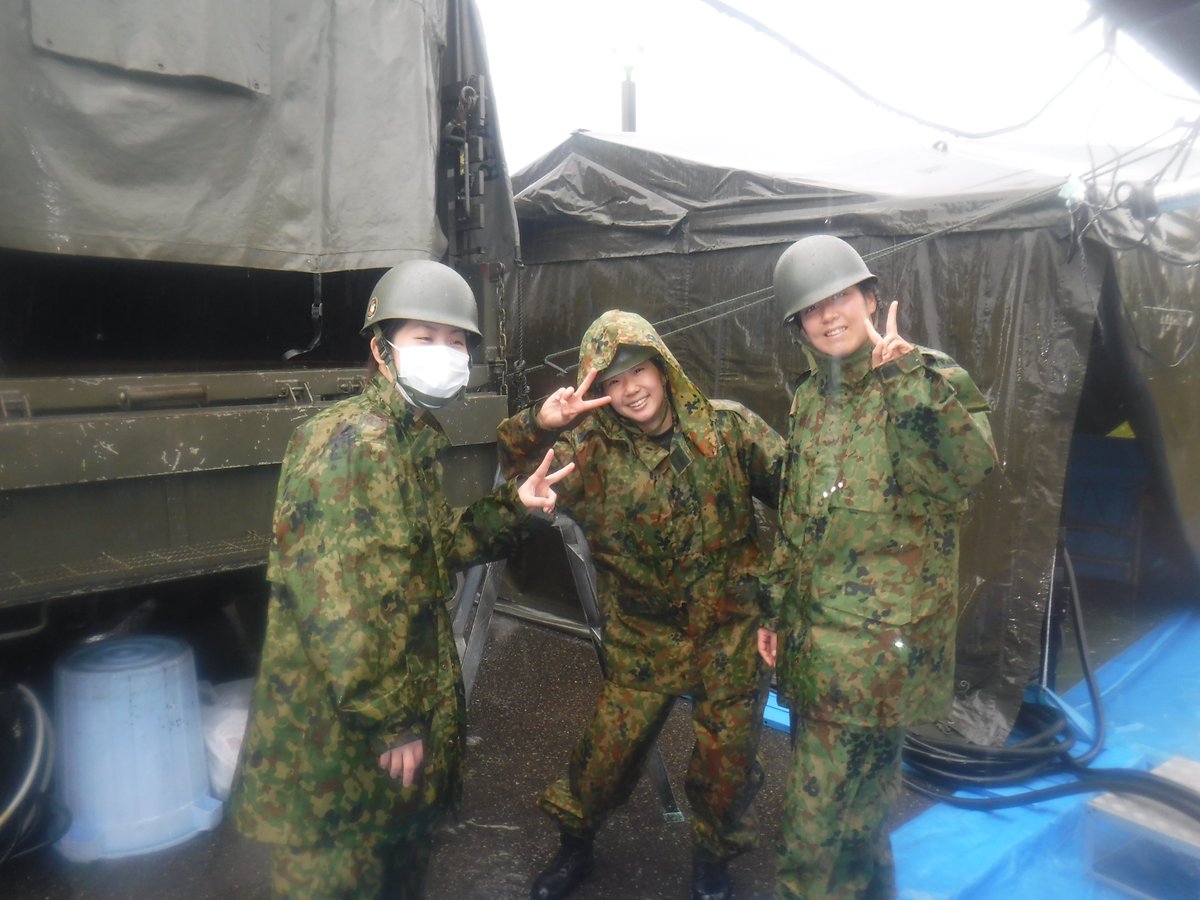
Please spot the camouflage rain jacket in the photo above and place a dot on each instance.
(359, 655)
(879, 466)
(671, 530)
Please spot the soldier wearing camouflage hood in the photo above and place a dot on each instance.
(664, 497)
(886, 441)
(355, 740)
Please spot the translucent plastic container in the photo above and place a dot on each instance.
(131, 760)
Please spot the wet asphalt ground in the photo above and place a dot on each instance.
(534, 693)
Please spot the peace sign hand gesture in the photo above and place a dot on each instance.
(535, 492)
(888, 346)
(567, 404)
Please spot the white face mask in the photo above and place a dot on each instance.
(432, 373)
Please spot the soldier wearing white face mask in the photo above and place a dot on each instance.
(425, 313)
(355, 743)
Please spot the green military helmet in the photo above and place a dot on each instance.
(814, 268)
(626, 357)
(427, 291)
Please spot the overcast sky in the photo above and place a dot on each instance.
(706, 79)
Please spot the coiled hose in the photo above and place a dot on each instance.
(29, 818)
(949, 766)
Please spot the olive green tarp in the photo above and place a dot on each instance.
(286, 135)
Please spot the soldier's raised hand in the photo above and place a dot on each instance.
(535, 490)
(567, 404)
(890, 345)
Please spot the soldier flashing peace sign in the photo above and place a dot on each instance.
(886, 441)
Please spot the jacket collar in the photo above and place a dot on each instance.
(835, 374)
(382, 393)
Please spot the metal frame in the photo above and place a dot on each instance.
(476, 601)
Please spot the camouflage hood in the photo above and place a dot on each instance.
(694, 415)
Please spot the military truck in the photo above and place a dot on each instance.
(195, 200)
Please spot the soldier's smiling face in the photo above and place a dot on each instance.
(836, 326)
(639, 395)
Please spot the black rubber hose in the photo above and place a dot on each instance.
(1121, 781)
(956, 765)
(30, 812)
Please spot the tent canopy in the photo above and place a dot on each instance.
(985, 258)
(664, 202)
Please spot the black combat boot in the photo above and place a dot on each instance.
(572, 864)
(710, 879)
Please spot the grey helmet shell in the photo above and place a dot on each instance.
(814, 268)
(427, 291)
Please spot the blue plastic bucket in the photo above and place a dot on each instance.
(131, 761)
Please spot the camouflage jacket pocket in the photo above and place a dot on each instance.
(870, 566)
(636, 586)
(650, 603)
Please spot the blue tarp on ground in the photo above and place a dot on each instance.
(1151, 696)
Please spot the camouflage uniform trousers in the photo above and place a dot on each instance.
(394, 871)
(723, 775)
(843, 783)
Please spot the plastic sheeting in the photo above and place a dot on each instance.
(1151, 702)
(1170, 31)
(1152, 316)
(287, 135)
(593, 180)
(985, 266)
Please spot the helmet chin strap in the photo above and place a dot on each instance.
(424, 400)
(389, 360)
